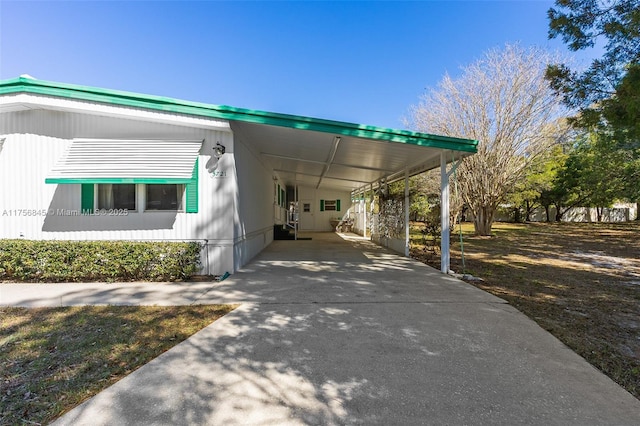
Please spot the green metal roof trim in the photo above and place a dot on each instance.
(129, 99)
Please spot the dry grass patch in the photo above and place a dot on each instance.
(52, 359)
(579, 281)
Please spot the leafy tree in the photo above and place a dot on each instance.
(622, 112)
(425, 196)
(591, 177)
(621, 131)
(504, 102)
(536, 187)
(608, 92)
(523, 199)
(424, 190)
(581, 24)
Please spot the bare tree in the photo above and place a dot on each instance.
(504, 102)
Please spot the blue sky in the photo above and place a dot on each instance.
(362, 62)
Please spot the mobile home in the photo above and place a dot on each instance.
(84, 163)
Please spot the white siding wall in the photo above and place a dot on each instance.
(29, 208)
(360, 210)
(254, 222)
(322, 219)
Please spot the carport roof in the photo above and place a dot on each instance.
(301, 150)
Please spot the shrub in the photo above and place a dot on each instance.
(58, 261)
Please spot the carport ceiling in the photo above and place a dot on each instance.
(342, 159)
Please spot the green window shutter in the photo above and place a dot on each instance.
(86, 198)
(321, 205)
(279, 197)
(283, 198)
(191, 192)
(338, 205)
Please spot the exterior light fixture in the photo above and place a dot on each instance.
(212, 164)
(219, 150)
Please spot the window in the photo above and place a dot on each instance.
(117, 196)
(140, 197)
(330, 205)
(164, 197)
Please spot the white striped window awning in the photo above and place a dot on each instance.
(126, 161)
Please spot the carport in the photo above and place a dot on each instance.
(227, 197)
(353, 157)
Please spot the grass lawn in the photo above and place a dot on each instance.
(52, 359)
(579, 281)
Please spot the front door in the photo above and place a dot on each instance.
(307, 222)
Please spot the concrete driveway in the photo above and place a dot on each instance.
(338, 331)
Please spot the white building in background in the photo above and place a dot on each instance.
(83, 163)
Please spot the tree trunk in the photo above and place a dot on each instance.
(483, 220)
(528, 214)
(546, 211)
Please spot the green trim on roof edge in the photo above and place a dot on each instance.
(158, 103)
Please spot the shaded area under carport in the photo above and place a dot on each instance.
(340, 331)
(340, 268)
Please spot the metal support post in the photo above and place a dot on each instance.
(445, 255)
(406, 213)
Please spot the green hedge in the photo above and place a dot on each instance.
(67, 261)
